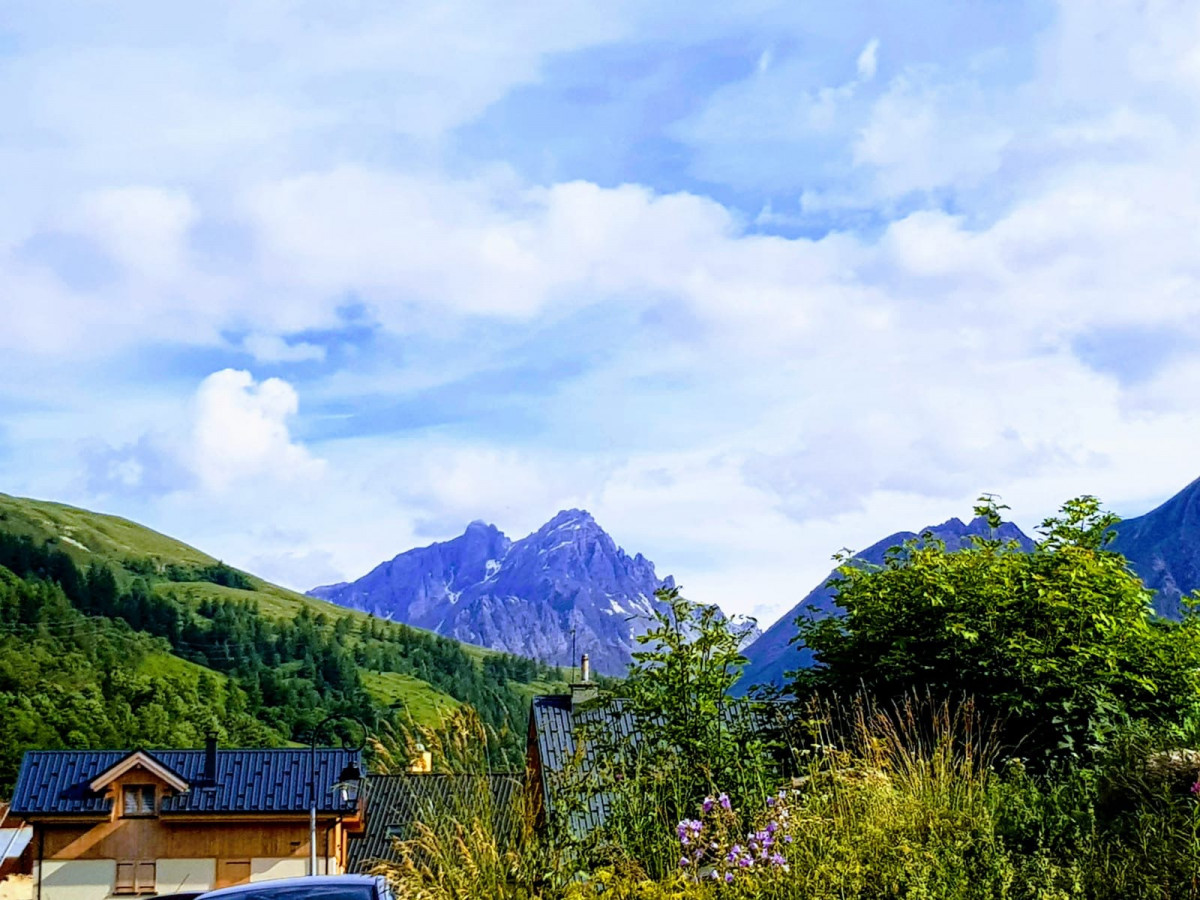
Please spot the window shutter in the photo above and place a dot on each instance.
(130, 801)
(146, 878)
(125, 877)
(147, 800)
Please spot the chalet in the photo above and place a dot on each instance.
(396, 803)
(118, 823)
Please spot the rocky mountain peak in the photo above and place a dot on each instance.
(566, 584)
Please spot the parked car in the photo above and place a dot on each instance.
(312, 887)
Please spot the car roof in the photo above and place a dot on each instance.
(311, 880)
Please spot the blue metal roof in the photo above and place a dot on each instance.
(395, 803)
(55, 782)
(570, 743)
(562, 747)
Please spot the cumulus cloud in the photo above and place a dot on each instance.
(240, 432)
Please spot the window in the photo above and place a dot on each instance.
(138, 800)
(136, 876)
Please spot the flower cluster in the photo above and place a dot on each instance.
(709, 848)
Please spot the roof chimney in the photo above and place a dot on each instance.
(210, 758)
(422, 761)
(583, 690)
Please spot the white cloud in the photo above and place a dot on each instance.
(143, 228)
(240, 432)
(868, 60)
(743, 405)
(921, 136)
(273, 348)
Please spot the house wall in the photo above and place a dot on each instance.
(87, 879)
(80, 861)
(175, 875)
(534, 787)
(159, 839)
(17, 887)
(263, 868)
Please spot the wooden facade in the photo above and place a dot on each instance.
(138, 837)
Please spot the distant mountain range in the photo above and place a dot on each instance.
(773, 654)
(1163, 548)
(566, 589)
(568, 585)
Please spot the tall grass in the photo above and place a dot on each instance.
(909, 801)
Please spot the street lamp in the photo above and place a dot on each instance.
(350, 777)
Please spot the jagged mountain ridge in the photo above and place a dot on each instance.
(522, 596)
(773, 654)
(1163, 547)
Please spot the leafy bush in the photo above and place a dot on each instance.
(1057, 645)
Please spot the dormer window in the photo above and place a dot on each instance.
(137, 800)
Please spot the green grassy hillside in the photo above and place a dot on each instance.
(285, 658)
(133, 550)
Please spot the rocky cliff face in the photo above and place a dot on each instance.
(1163, 547)
(524, 596)
(773, 654)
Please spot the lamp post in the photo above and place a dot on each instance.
(349, 775)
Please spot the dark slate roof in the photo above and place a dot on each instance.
(394, 803)
(55, 782)
(556, 729)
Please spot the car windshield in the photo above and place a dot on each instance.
(309, 892)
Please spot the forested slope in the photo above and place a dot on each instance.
(114, 635)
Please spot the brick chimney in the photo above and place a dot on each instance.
(584, 689)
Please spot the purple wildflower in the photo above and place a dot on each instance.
(723, 799)
(777, 859)
(715, 875)
(708, 804)
(787, 838)
(729, 878)
(1196, 787)
(684, 862)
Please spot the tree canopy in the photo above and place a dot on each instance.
(1058, 646)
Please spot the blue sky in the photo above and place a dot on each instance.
(308, 284)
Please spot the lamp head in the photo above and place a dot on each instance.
(348, 782)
